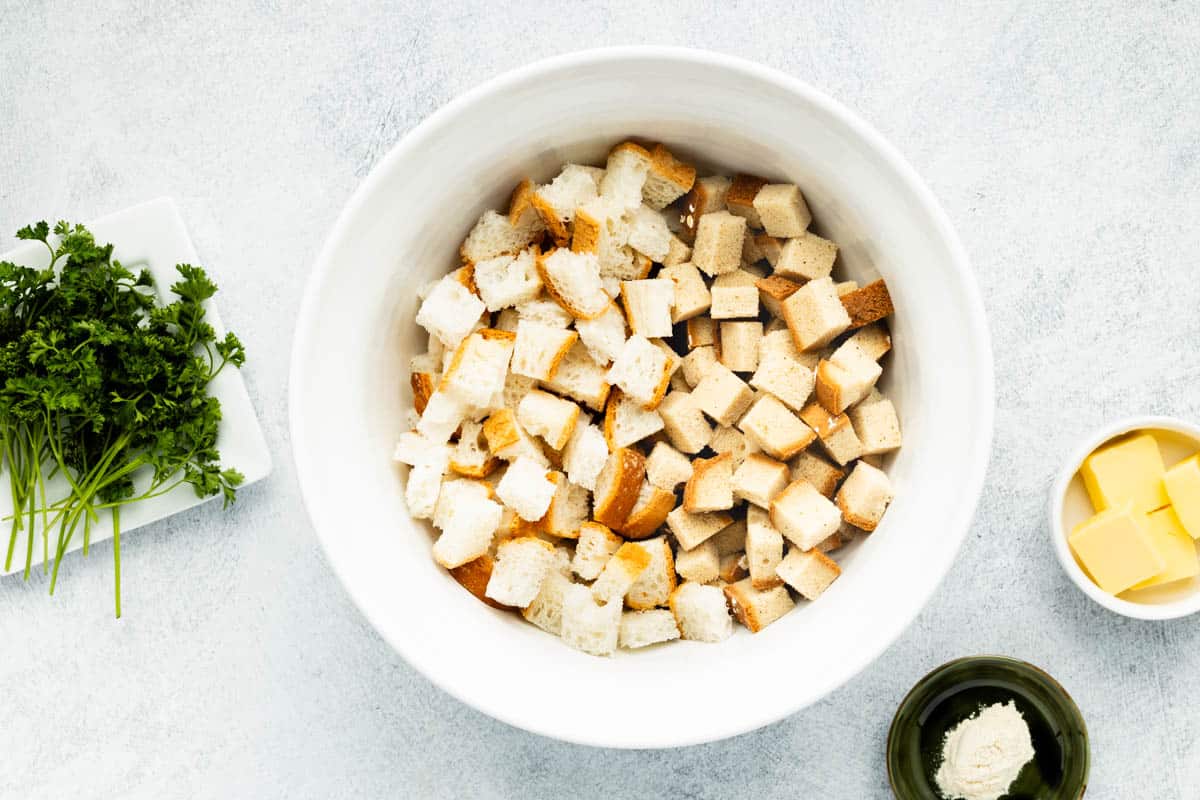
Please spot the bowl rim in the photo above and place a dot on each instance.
(416, 138)
(1058, 493)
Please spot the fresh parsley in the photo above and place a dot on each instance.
(105, 386)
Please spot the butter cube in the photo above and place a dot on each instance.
(1182, 482)
(1130, 471)
(1174, 545)
(1115, 548)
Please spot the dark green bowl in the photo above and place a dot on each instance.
(955, 691)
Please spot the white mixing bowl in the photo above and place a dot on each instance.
(403, 227)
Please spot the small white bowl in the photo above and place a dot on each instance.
(1069, 505)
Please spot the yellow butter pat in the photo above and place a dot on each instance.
(1175, 546)
(1115, 548)
(1182, 482)
(1130, 471)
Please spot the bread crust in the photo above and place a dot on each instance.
(422, 389)
(558, 297)
(694, 487)
(869, 304)
(742, 192)
(520, 201)
(474, 576)
(613, 509)
(554, 226)
(666, 166)
(644, 522)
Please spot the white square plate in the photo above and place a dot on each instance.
(150, 236)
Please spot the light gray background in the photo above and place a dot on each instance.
(1064, 143)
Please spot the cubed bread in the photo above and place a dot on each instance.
(412, 448)
(585, 454)
(804, 515)
(759, 478)
(864, 496)
(556, 202)
(442, 416)
(684, 422)
(817, 471)
(578, 376)
(722, 395)
(620, 572)
(731, 538)
(846, 377)
(711, 486)
(471, 457)
(476, 372)
(569, 509)
(707, 196)
(740, 198)
(508, 280)
(649, 512)
(782, 210)
(732, 441)
(785, 378)
(474, 576)
(545, 312)
(618, 485)
(690, 296)
(626, 422)
(603, 336)
(874, 340)
(692, 529)
(450, 311)
(701, 612)
(764, 548)
(718, 247)
(644, 628)
(573, 280)
(666, 467)
(526, 488)
(668, 178)
(601, 231)
(506, 438)
(625, 175)
(739, 345)
(697, 363)
(806, 258)
(769, 246)
(595, 546)
(814, 314)
(548, 416)
(702, 331)
(643, 371)
(678, 252)
(868, 304)
(587, 625)
(521, 566)
(653, 587)
(775, 429)
(835, 432)
(648, 232)
(496, 234)
(757, 608)
(777, 341)
(773, 290)
(734, 299)
(733, 568)
(701, 564)
(648, 305)
(809, 572)
(875, 423)
(546, 608)
(540, 349)
(424, 486)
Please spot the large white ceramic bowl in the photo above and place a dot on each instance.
(403, 227)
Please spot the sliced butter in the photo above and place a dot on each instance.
(1116, 550)
(1182, 482)
(1128, 472)
(1175, 546)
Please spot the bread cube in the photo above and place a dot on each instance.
(626, 422)
(782, 210)
(594, 548)
(684, 422)
(506, 438)
(772, 291)
(731, 538)
(810, 572)
(740, 198)
(588, 626)
(764, 548)
(814, 314)
(424, 486)
(722, 395)
(422, 385)
(785, 378)
(546, 608)
(556, 202)
(478, 367)
(643, 628)
(697, 363)
(668, 178)
(539, 349)
(442, 416)
(521, 566)
(775, 429)
(496, 234)
(734, 302)
(718, 247)
(666, 467)
(648, 306)
(649, 512)
(869, 304)
(653, 587)
(581, 378)
(817, 471)
(526, 488)
(620, 572)
(648, 233)
(759, 478)
(474, 576)
(847, 377)
(678, 252)
(778, 342)
(864, 496)
(549, 416)
(769, 246)
(625, 175)
(700, 564)
(873, 340)
(701, 331)
(585, 454)
(806, 258)
(732, 441)
(692, 529)
(617, 486)
(570, 508)
(450, 311)
(733, 568)
(544, 312)
(508, 280)
(876, 424)
(757, 608)
(711, 486)
(835, 432)
(804, 515)
(573, 280)
(707, 196)
(603, 336)
(643, 371)
(471, 457)
(701, 612)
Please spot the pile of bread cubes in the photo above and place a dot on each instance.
(641, 387)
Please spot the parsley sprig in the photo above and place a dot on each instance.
(103, 385)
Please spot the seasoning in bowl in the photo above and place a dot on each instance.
(984, 754)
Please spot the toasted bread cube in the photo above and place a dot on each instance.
(644, 628)
(732, 441)
(814, 314)
(546, 608)
(806, 258)
(540, 349)
(757, 608)
(601, 230)
(722, 395)
(785, 378)
(697, 363)
(556, 202)
(740, 198)
(678, 252)
(441, 418)
(835, 432)
(585, 454)
(496, 234)
(782, 210)
(643, 371)
(769, 246)
(701, 612)
(588, 626)
(412, 448)
(595, 546)
(692, 529)
(479, 366)
(711, 486)
(648, 306)
(450, 311)
(701, 564)
(648, 232)
(684, 422)
(508, 280)
(764, 548)
(603, 336)
(667, 180)
(527, 489)
(846, 378)
(521, 566)
(653, 587)
(626, 422)
(618, 486)
(810, 573)
(649, 512)
(666, 467)
(876, 424)
(424, 486)
(468, 520)
(569, 509)
(580, 378)
(573, 280)
(544, 312)
(679, 383)
(718, 247)
(691, 296)
(775, 429)
(549, 416)
(751, 250)
(620, 572)
(733, 568)
(707, 196)
(731, 538)
(868, 304)
(734, 302)
(874, 340)
(506, 438)
(474, 576)
(864, 496)
(758, 479)
(817, 471)
(804, 515)
(625, 175)
(772, 291)
(470, 457)
(778, 343)
(701, 332)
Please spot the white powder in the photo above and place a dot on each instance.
(983, 754)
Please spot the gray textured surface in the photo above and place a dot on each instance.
(1063, 143)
